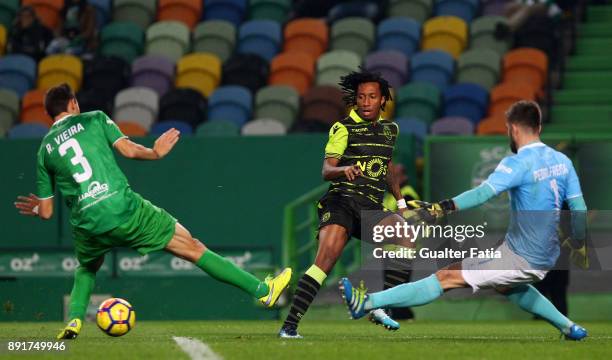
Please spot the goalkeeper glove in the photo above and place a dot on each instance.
(434, 212)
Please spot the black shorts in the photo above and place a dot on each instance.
(351, 214)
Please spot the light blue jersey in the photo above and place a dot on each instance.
(538, 179)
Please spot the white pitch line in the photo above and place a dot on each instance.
(196, 349)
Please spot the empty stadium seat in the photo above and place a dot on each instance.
(294, 69)
(418, 100)
(526, 65)
(48, 11)
(154, 72)
(399, 33)
(452, 125)
(353, 34)
(91, 99)
(260, 37)
(188, 12)
(433, 66)
(506, 94)
(494, 7)
(140, 12)
(466, 100)
(278, 102)
(215, 36)
(137, 104)
(228, 10)
(275, 10)
(163, 126)
(8, 9)
(306, 35)
(391, 64)
(103, 11)
(415, 127)
(218, 128)
(334, 64)
(323, 104)
(464, 9)
(495, 125)
(3, 39)
(122, 39)
(362, 8)
(447, 33)
(248, 70)
(264, 127)
(168, 38)
(17, 73)
(482, 34)
(130, 128)
(9, 109)
(33, 108)
(231, 103)
(479, 66)
(420, 10)
(199, 71)
(389, 110)
(28, 131)
(184, 104)
(108, 75)
(57, 69)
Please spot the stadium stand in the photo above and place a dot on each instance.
(294, 69)
(447, 33)
(163, 126)
(248, 70)
(433, 66)
(323, 104)
(8, 9)
(122, 39)
(275, 10)
(154, 72)
(264, 127)
(33, 108)
(17, 73)
(479, 66)
(278, 102)
(186, 104)
(188, 12)
(9, 110)
(218, 128)
(391, 64)
(399, 33)
(419, 10)
(199, 71)
(482, 34)
(48, 11)
(231, 103)
(334, 64)
(452, 125)
(353, 34)
(229, 10)
(418, 100)
(260, 37)
(306, 35)
(466, 100)
(28, 131)
(168, 38)
(137, 104)
(215, 36)
(139, 12)
(57, 69)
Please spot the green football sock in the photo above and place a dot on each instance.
(224, 270)
(84, 281)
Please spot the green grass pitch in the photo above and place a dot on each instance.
(326, 340)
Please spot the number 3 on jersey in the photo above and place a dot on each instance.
(77, 159)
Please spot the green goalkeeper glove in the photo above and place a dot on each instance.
(434, 212)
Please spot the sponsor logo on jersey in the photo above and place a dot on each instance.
(94, 190)
(388, 133)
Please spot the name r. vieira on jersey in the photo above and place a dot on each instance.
(65, 135)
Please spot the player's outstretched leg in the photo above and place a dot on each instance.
(84, 281)
(531, 300)
(268, 291)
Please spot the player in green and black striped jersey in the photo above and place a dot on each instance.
(357, 163)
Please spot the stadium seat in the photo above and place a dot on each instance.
(260, 37)
(48, 11)
(185, 104)
(447, 33)
(57, 69)
(464, 9)
(294, 69)
(391, 64)
(140, 12)
(418, 100)
(122, 39)
(232, 103)
(264, 127)
(108, 75)
(9, 109)
(90, 100)
(399, 33)
(466, 100)
(362, 8)
(482, 34)
(8, 9)
(540, 32)
(389, 111)
(168, 38)
(228, 10)
(3, 39)
(433, 66)
(103, 11)
(415, 127)
(323, 104)
(278, 102)
(353, 34)
(494, 7)
(419, 10)
(28, 131)
(526, 65)
(452, 125)
(137, 104)
(306, 35)
(33, 108)
(17, 73)
(188, 12)
(275, 10)
(199, 71)
(506, 94)
(248, 70)
(163, 126)
(218, 128)
(215, 36)
(479, 66)
(495, 125)
(131, 129)
(154, 72)
(334, 64)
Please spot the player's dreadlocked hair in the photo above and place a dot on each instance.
(350, 83)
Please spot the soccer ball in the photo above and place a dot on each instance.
(115, 317)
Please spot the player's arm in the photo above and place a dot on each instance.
(394, 186)
(161, 148)
(33, 206)
(338, 139)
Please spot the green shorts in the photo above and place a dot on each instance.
(148, 229)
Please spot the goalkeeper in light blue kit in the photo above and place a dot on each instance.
(538, 178)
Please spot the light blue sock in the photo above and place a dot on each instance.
(530, 299)
(415, 293)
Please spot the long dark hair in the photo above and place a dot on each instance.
(350, 84)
